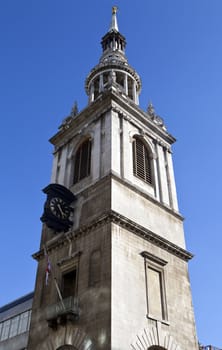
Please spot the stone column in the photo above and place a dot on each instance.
(155, 175)
(91, 95)
(126, 84)
(162, 175)
(101, 85)
(134, 92)
(172, 184)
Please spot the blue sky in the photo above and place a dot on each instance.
(47, 49)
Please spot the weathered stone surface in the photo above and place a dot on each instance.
(117, 216)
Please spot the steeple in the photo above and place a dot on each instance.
(114, 25)
(113, 71)
(119, 276)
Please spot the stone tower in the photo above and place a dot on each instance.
(117, 275)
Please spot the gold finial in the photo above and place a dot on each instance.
(114, 25)
(114, 10)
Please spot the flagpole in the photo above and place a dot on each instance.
(48, 272)
(48, 266)
(59, 293)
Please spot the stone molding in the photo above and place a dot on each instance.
(150, 236)
(67, 336)
(155, 337)
(111, 217)
(133, 187)
(154, 258)
(106, 101)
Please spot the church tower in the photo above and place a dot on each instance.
(112, 265)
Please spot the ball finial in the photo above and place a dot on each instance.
(114, 10)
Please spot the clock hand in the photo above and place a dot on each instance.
(60, 209)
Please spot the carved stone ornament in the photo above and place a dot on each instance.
(74, 112)
(158, 120)
(151, 110)
(155, 118)
(65, 123)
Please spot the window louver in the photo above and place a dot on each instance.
(141, 161)
(82, 161)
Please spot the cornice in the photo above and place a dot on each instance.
(106, 101)
(132, 187)
(151, 236)
(80, 122)
(65, 238)
(135, 115)
(111, 217)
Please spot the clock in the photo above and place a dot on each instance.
(57, 209)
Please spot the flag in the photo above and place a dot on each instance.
(48, 267)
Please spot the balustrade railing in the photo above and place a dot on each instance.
(60, 312)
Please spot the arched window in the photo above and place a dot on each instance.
(82, 161)
(142, 166)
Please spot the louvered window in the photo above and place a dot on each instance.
(82, 161)
(142, 166)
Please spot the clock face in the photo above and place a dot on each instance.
(59, 208)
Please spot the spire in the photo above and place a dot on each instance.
(113, 43)
(113, 71)
(114, 24)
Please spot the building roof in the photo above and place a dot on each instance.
(17, 302)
